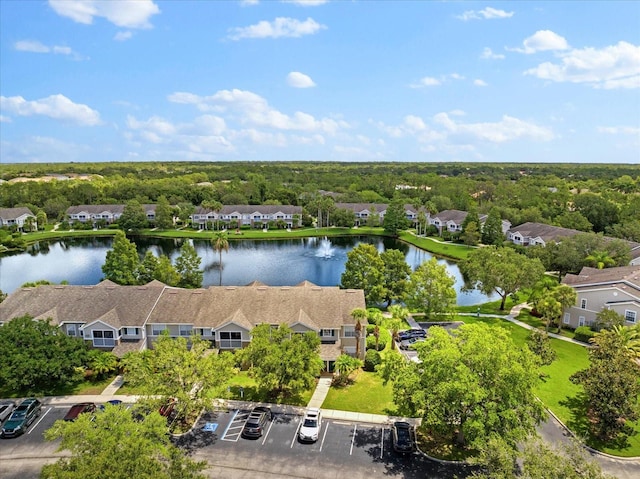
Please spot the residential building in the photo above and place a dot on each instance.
(256, 216)
(15, 217)
(130, 318)
(613, 288)
(107, 213)
(363, 211)
(451, 221)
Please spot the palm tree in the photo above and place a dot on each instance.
(600, 259)
(358, 314)
(629, 334)
(376, 334)
(220, 243)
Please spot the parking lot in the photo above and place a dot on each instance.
(343, 449)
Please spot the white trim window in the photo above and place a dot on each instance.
(158, 329)
(583, 303)
(130, 331)
(567, 318)
(72, 330)
(230, 339)
(327, 333)
(581, 321)
(349, 331)
(103, 338)
(185, 330)
(630, 316)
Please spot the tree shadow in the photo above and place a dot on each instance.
(197, 437)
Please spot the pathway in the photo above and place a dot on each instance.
(111, 389)
(320, 394)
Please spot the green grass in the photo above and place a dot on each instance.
(365, 394)
(492, 307)
(77, 388)
(436, 246)
(251, 392)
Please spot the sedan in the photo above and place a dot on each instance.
(6, 408)
(21, 418)
(310, 426)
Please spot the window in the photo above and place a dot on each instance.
(156, 329)
(567, 318)
(185, 330)
(71, 330)
(230, 339)
(130, 331)
(630, 316)
(103, 339)
(327, 333)
(349, 332)
(581, 321)
(583, 304)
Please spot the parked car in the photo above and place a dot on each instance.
(310, 426)
(407, 343)
(21, 418)
(412, 333)
(6, 408)
(168, 408)
(403, 437)
(256, 422)
(77, 409)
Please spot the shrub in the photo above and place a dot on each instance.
(383, 340)
(583, 333)
(371, 360)
(374, 316)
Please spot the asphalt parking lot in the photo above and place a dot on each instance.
(343, 449)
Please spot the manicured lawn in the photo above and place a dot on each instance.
(78, 388)
(251, 392)
(492, 307)
(436, 246)
(366, 394)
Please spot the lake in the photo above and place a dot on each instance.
(275, 263)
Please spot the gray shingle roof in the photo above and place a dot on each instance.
(541, 230)
(588, 276)
(7, 214)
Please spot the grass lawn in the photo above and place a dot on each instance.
(251, 392)
(77, 388)
(366, 394)
(492, 307)
(436, 246)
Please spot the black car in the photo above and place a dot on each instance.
(403, 437)
(21, 418)
(412, 333)
(256, 422)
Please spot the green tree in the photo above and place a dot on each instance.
(360, 315)
(165, 272)
(38, 357)
(181, 368)
(147, 268)
(164, 213)
(607, 319)
(133, 217)
(492, 229)
(573, 220)
(600, 259)
(3, 296)
(472, 217)
(431, 290)
(41, 218)
(188, 267)
(345, 365)
(500, 270)
(629, 338)
(600, 212)
(364, 270)
(122, 262)
(30, 224)
(185, 210)
(113, 444)
(220, 243)
(539, 343)
(395, 275)
(472, 384)
(395, 218)
(470, 235)
(101, 363)
(283, 363)
(611, 387)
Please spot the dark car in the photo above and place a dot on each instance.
(412, 333)
(256, 422)
(168, 409)
(21, 418)
(403, 437)
(6, 408)
(77, 409)
(407, 343)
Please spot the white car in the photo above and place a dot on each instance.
(6, 408)
(311, 424)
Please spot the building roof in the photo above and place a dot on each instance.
(627, 275)
(543, 231)
(14, 213)
(99, 209)
(358, 207)
(134, 306)
(250, 209)
(457, 216)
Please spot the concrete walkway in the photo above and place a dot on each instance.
(111, 389)
(320, 394)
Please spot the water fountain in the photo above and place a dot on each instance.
(325, 250)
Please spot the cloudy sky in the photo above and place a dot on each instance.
(316, 80)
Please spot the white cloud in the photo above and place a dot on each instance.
(299, 80)
(426, 81)
(542, 40)
(43, 149)
(509, 128)
(249, 3)
(5, 119)
(123, 36)
(487, 54)
(35, 46)
(620, 130)
(306, 3)
(479, 82)
(616, 66)
(249, 108)
(123, 13)
(281, 27)
(58, 107)
(485, 14)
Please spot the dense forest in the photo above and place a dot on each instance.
(588, 197)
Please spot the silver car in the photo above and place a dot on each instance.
(6, 408)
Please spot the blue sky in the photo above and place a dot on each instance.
(98, 80)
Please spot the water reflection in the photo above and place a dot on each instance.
(276, 263)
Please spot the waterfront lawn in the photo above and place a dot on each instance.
(365, 394)
(492, 307)
(437, 246)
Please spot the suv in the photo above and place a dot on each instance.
(78, 409)
(412, 333)
(256, 422)
(403, 437)
(311, 424)
(21, 418)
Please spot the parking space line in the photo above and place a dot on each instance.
(224, 434)
(295, 434)
(323, 436)
(353, 439)
(36, 424)
(265, 436)
(381, 442)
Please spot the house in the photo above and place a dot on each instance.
(451, 221)
(256, 216)
(614, 288)
(15, 217)
(363, 211)
(130, 318)
(107, 213)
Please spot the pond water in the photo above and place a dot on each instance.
(275, 263)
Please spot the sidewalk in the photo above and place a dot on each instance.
(320, 393)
